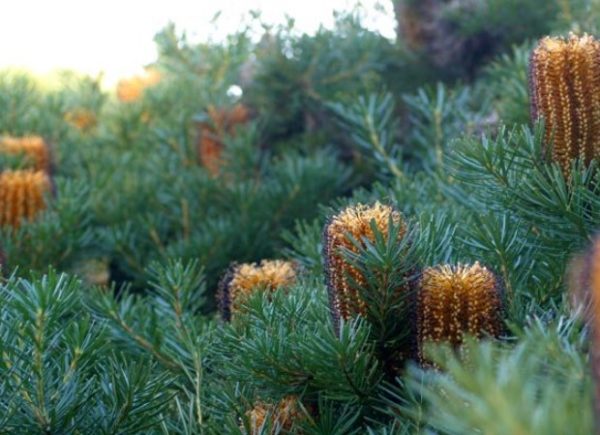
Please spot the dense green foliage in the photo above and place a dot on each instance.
(107, 299)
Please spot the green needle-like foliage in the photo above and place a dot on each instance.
(58, 373)
(531, 388)
(371, 124)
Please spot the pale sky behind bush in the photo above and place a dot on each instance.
(116, 36)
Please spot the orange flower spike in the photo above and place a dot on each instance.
(129, 90)
(243, 280)
(456, 300)
(34, 148)
(210, 150)
(564, 87)
(222, 122)
(344, 297)
(132, 89)
(22, 195)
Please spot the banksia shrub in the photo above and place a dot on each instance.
(456, 300)
(565, 93)
(34, 149)
(211, 132)
(22, 195)
(243, 280)
(353, 224)
(277, 418)
(132, 89)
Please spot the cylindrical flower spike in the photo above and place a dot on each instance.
(342, 278)
(22, 195)
(278, 418)
(456, 300)
(243, 280)
(210, 140)
(564, 87)
(34, 149)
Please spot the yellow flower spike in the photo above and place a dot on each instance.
(22, 195)
(34, 148)
(564, 87)
(342, 278)
(243, 280)
(456, 300)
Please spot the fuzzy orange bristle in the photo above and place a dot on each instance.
(565, 92)
(34, 148)
(243, 280)
(281, 416)
(22, 195)
(210, 140)
(456, 300)
(342, 278)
